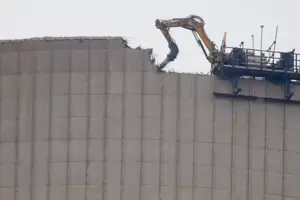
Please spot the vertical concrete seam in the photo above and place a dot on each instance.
(265, 148)
(17, 125)
(232, 160)
(161, 163)
(142, 130)
(249, 147)
(1, 96)
(69, 115)
(33, 123)
(213, 143)
(50, 123)
(88, 119)
(194, 136)
(283, 152)
(177, 175)
(124, 61)
(104, 195)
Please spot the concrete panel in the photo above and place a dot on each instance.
(43, 61)
(169, 174)
(80, 60)
(60, 83)
(153, 83)
(79, 83)
(95, 173)
(151, 173)
(7, 173)
(77, 173)
(97, 83)
(134, 60)
(79, 106)
(9, 63)
(58, 173)
(96, 150)
(256, 185)
(151, 128)
(9, 86)
(131, 181)
(24, 179)
(185, 164)
(7, 193)
(116, 60)
(8, 130)
(23, 193)
(77, 150)
(150, 192)
(58, 192)
(96, 127)
(76, 192)
(115, 82)
(133, 83)
(27, 62)
(94, 192)
(59, 128)
(113, 180)
(98, 60)
(203, 176)
(41, 152)
(78, 127)
(40, 175)
(9, 108)
(91, 119)
(7, 153)
(61, 61)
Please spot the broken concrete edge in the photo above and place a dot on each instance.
(123, 40)
(53, 38)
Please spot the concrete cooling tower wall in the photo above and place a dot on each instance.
(90, 119)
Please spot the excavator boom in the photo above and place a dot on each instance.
(193, 23)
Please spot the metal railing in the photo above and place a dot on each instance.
(263, 59)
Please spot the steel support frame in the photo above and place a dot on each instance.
(288, 94)
(235, 75)
(235, 85)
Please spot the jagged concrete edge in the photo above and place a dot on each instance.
(155, 63)
(149, 51)
(52, 38)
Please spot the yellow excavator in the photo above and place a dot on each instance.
(196, 25)
(239, 62)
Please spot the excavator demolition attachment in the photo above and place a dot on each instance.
(278, 68)
(196, 25)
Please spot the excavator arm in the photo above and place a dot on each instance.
(193, 23)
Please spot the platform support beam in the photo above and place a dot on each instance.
(287, 90)
(236, 88)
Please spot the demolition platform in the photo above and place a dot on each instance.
(276, 67)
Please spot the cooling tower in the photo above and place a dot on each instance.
(90, 119)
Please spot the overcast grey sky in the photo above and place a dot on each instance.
(134, 19)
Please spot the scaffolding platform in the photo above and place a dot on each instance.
(273, 66)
